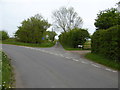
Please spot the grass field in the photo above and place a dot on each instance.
(7, 72)
(104, 61)
(14, 42)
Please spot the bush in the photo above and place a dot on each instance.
(32, 29)
(105, 42)
(74, 37)
(3, 35)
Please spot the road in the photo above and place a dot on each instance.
(56, 68)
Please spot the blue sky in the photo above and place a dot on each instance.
(13, 12)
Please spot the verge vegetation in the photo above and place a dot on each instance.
(7, 72)
(73, 38)
(103, 60)
(14, 42)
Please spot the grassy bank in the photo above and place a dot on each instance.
(104, 61)
(14, 42)
(7, 72)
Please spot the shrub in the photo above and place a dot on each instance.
(106, 42)
(32, 29)
(74, 37)
(3, 35)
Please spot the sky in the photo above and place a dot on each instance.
(13, 12)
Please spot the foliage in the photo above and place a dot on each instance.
(107, 18)
(32, 29)
(7, 73)
(74, 37)
(14, 42)
(50, 35)
(3, 35)
(103, 60)
(66, 19)
(106, 42)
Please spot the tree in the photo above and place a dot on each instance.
(74, 37)
(32, 29)
(66, 19)
(51, 35)
(3, 35)
(107, 18)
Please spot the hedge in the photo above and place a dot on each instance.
(74, 37)
(107, 43)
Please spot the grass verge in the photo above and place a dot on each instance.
(13, 42)
(104, 61)
(7, 72)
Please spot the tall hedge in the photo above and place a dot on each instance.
(74, 37)
(106, 42)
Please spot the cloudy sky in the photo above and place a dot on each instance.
(13, 12)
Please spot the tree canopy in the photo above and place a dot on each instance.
(32, 29)
(66, 19)
(3, 35)
(107, 18)
(50, 35)
(74, 37)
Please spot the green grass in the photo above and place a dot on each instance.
(14, 42)
(87, 45)
(104, 61)
(7, 72)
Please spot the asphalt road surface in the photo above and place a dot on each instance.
(56, 68)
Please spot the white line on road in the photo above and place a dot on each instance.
(75, 60)
(95, 65)
(84, 62)
(108, 69)
(68, 57)
(114, 71)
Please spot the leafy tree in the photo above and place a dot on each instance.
(3, 35)
(51, 35)
(74, 37)
(32, 29)
(66, 19)
(107, 18)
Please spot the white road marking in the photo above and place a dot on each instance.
(56, 54)
(108, 69)
(84, 62)
(61, 55)
(51, 53)
(75, 60)
(114, 71)
(68, 57)
(95, 65)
